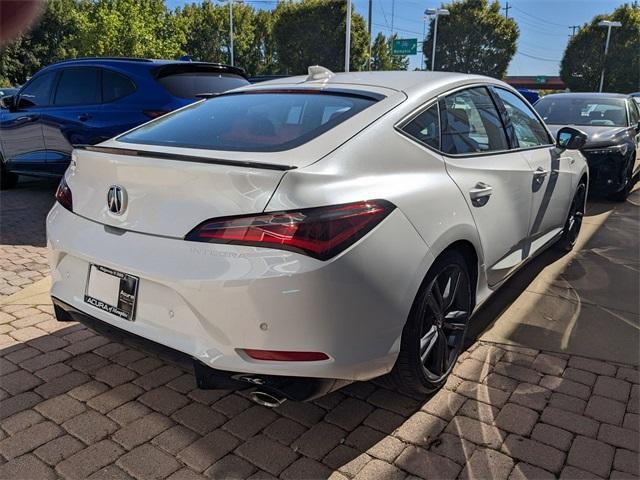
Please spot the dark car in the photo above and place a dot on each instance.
(612, 124)
(86, 101)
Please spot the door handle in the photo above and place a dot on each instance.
(83, 117)
(540, 173)
(26, 118)
(480, 191)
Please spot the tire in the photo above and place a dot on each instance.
(574, 220)
(8, 180)
(434, 334)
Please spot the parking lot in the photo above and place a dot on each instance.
(548, 387)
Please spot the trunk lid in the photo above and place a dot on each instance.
(163, 195)
(172, 186)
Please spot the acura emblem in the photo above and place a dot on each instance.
(117, 199)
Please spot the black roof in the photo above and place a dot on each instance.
(152, 62)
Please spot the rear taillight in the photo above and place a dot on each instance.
(154, 113)
(63, 195)
(321, 232)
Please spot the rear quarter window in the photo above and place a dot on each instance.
(115, 86)
(257, 122)
(191, 84)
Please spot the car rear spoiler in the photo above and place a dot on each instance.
(184, 158)
(193, 67)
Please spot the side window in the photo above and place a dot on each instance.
(115, 85)
(78, 86)
(530, 132)
(471, 124)
(425, 128)
(38, 92)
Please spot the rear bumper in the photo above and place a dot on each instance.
(292, 388)
(211, 301)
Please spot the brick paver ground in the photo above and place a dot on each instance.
(75, 405)
(23, 252)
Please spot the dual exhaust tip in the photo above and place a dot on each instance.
(267, 399)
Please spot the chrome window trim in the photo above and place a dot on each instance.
(417, 111)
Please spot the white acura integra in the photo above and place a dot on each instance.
(302, 233)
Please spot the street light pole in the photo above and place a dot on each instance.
(424, 36)
(231, 30)
(369, 30)
(609, 24)
(347, 40)
(436, 12)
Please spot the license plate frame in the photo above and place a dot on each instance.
(121, 287)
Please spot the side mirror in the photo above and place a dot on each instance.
(638, 127)
(569, 138)
(8, 102)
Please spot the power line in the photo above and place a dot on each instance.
(573, 30)
(540, 30)
(387, 27)
(540, 19)
(519, 52)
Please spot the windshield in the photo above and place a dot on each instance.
(256, 122)
(603, 112)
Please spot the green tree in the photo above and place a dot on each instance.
(51, 38)
(139, 28)
(262, 59)
(312, 32)
(381, 58)
(583, 58)
(205, 34)
(474, 38)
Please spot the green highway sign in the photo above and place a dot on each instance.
(540, 80)
(404, 46)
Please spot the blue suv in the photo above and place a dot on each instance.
(86, 101)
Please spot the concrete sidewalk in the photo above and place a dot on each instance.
(584, 303)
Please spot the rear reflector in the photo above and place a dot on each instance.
(321, 232)
(63, 195)
(286, 356)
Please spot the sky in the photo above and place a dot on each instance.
(544, 26)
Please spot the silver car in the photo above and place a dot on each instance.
(303, 233)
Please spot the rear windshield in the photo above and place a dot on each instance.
(604, 112)
(190, 84)
(256, 122)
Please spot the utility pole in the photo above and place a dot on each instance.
(347, 40)
(393, 13)
(609, 24)
(369, 28)
(506, 10)
(573, 30)
(437, 12)
(424, 37)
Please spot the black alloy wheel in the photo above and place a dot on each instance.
(434, 335)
